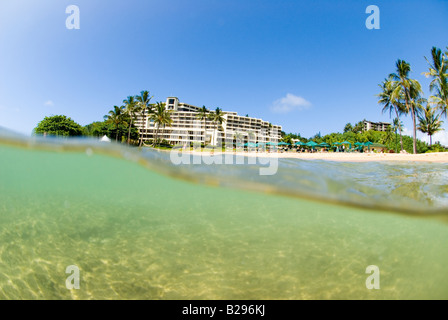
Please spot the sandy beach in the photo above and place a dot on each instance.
(436, 157)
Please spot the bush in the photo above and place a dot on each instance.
(437, 147)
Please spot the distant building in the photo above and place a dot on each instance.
(187, 128)
(377, 126)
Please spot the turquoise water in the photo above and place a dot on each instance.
(140, 228)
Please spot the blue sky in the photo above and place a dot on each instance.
(310, 66)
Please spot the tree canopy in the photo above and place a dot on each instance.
(59, 126)
(102, 128)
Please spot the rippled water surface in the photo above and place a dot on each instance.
(140, 228)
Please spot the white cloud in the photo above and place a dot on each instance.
(49, 103)
(290, 103)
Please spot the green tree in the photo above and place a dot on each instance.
(59, 125)
(131, 108)
(390, 102)
(101, 128)
(144, 108)
(288, 139)
(410, 89)
(161, 117)
(359, 127)
(217, 117)
(438, 72)
(202, 114)
(408, 142)
(348, 127)
(97, 129)
(116, 118)
(387, 138)
(397, 125)
(429, 123)
(238, 137)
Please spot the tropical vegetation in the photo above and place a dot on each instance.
(429, 122)
(161, 118)
(402, 95)
(59, 126)
(217, 117)
(131, 108)
(387, 138)
(143, 107)
(438, 72)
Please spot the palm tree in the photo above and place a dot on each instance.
(388, 137)
(116, 118)
(217, 117)
(348, 127)
(131, 108)
(438, 71)
(143, 103)
(410, 90)
(203, 114)
(359, 127)
(238, 137)
(397, 126)
(251, 136)
(391, 103)
(161, 117)
(430, 123)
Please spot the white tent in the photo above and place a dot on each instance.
(105, 139)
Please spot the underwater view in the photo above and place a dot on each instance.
(139, 227)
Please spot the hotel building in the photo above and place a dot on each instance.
(187, 128)
(377, 126)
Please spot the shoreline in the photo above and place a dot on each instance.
(435, 157)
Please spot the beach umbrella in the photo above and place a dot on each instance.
(299, 143)
(283, 144)
(359, 145)
(311, 144)
(368, 144)
(270, 143)
(323, 144)
(346, 142)
(337, 144)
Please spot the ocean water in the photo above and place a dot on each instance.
(138, 227)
